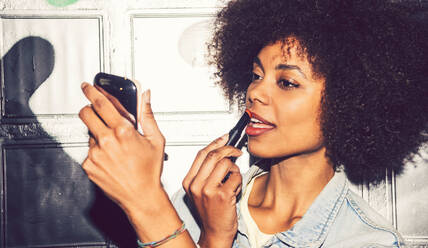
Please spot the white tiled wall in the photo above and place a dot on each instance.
(161, 44)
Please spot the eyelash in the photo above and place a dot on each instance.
(255, 77)
(286, 84)
(282, 83)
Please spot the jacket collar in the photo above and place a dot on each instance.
(312, 229)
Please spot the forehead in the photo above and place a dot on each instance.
(288, 51)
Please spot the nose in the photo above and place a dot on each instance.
(258, 92)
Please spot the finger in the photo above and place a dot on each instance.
(221, 170)
(233, 184)
(212, 160)
(92, 170)
(230, 171)
(95, 125)
(103, 106)
(118, 105)
(92, 142)
(200, 157)
(89, 167)
(147, 120)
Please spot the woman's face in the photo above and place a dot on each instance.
(284, 98)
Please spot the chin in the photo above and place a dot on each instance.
(280, 151)
(261, 151)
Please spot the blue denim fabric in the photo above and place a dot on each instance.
(337, 218)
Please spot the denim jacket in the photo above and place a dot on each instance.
(337, 218)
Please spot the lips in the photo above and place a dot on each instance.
(258, 125)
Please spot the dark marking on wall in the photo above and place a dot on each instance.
(191, 44)
(26, 66)
(61, 3)
(48, 201)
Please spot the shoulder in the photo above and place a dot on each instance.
(184, 209)
(359, 225)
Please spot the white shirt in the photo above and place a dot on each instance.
(256, 237)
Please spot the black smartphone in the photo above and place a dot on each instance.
(122, 92)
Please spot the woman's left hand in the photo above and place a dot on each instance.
(213, 183)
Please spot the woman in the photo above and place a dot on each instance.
(331, 85)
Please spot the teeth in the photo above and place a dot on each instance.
(256, 120)
(261, 125)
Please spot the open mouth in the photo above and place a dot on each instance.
(258, 125)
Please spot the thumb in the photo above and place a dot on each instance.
(147, 120)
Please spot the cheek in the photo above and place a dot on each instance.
(299, 119)
(301, 133)
(298, 130)
(297, 110)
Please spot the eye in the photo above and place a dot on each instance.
(287, 84)
(255, 76)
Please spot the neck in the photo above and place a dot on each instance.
(292, 184)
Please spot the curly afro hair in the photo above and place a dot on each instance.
(373, 56)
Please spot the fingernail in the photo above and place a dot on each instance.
(146, 96)
(225, 136)
(83, 85)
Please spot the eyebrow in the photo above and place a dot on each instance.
(280, 67)
(290, 67)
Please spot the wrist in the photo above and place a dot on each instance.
(215, 241)
(147, 205)
(153, 216)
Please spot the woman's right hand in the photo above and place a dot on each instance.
(121, 161)
(128, 167)
(214, 199)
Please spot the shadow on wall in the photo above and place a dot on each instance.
(48, 198)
